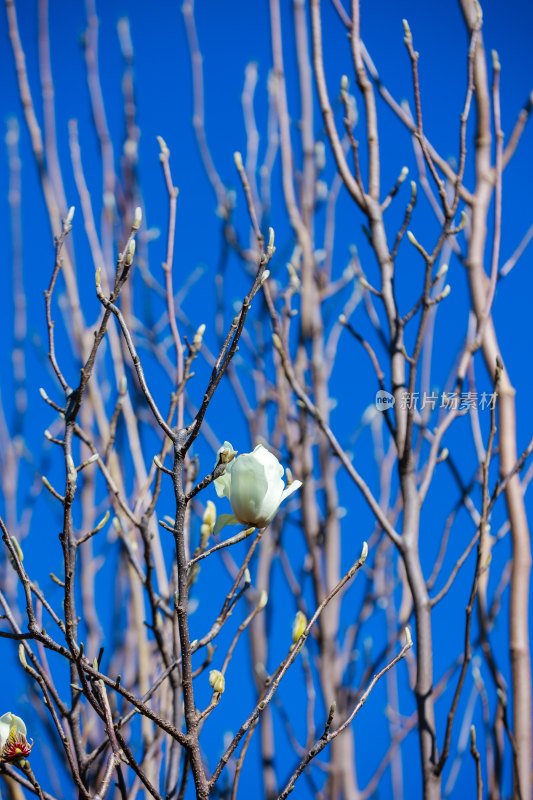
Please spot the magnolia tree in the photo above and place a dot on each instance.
(375, 469)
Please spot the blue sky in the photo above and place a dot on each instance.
(231, 35)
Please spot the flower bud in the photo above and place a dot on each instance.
(210, 514)
(130, 253)
(217, 681)
(165, 152)
(137, 218)
(67, 224)
(18, 548)
(299, 625)
(198, 336)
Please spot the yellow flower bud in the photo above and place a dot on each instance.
(299, 625)
(210, 514)
(217, 681)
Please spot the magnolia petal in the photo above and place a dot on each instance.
(273, 469)
(223, 484)
(7, 722)
(290, 489)
(223, 520)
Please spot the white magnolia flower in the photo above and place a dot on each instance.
(13, 742)
(253, 484)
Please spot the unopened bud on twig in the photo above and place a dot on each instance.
(130, 253)
(403, 174)
(295, 280)
(18, 548)
(137, 218)
(263, 599)
(237, 159)
(72, 475)
(165, 152)
(22, 656)
(344, 83)
(102, 522)
(463, 221)
(298, 626)
(407, 634)
(198, 336)
(364, 552)
(67, 224)
(210, 514)
(407, 30)
(217, 681)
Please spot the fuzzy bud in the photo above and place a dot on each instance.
(130, 253)
(198, 336)
(17, 547)
(299, 625)
(67, 224)
(217, 681)
(210, 514)
(364, 552)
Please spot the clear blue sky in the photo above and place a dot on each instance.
(232, 34)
